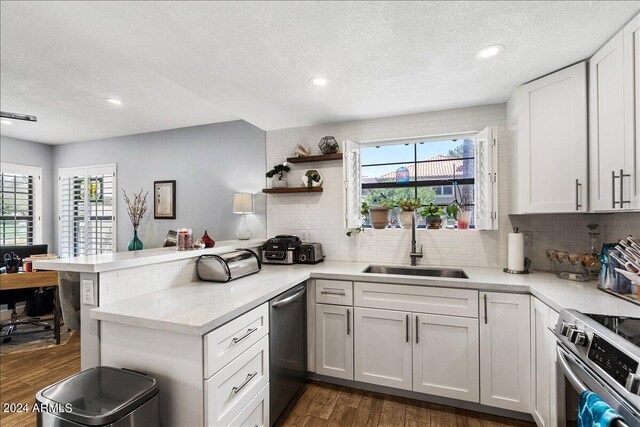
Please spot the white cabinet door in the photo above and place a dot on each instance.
(607, 148)
(631, 43)
(552, 143)
(505, 368)
(540, 363)
(334, 341)
(553, 392)
(445, 356)
(383, 347)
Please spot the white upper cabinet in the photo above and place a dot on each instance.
(548, 119)
(613, 121)
(631, 45)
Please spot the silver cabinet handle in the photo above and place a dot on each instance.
(249, 378)
(485, 309)
(578, 204)
(236, 340)
(348, 322)
(613, 189)
(407, 328)
(417, 330)
(334, 292)
(622, 177)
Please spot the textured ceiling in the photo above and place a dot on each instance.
(177, 64)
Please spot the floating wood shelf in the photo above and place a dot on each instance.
(293, 190)
(318, 158)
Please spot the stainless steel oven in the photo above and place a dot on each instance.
(595, 358)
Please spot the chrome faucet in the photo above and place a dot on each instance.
(414, 253)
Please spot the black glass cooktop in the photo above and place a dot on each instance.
(627, 327)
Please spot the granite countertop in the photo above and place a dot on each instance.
(119, 260)
(199, 307)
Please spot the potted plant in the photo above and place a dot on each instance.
(136, 209)
(278, 170)
(460, 209)
(433, 215)
(364, 212)
(407, 209)
(380, 214)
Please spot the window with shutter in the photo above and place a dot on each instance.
(87, 206)
(427, 168)
(21, 207)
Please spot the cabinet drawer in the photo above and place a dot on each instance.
(227, 342)
(230, 390)
(256, 413)
(419, 299)
(334, 292)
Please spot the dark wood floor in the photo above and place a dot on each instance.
(22, 375)
(329, 405)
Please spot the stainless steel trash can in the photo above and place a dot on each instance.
(101, 396)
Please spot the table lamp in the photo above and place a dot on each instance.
(243, 205)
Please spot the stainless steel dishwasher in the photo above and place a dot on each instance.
(287, 348)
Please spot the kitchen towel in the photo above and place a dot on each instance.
(515, 256)
(595, 412)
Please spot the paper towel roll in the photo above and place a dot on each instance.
(515, 256)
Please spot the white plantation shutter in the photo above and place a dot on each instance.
(20, 204)
(352, 184)
(486, 180)
(87, 206)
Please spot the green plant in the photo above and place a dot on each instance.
(432, 210)
(460, 203)
(278, 169)
(382, 203)
(364, 209)
(408, 205)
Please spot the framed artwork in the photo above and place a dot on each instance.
(164, 199)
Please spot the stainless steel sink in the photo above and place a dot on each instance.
(417, 271)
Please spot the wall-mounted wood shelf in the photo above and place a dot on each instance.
(318, 158)
(292, 190)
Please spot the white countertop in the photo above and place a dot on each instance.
(199, 307)
(120, 260)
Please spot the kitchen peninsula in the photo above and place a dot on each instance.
(151, 314)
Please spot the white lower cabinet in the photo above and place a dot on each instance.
(334, 341)
(256, 413)
(383, 347)
(543, 363)
(505, 368)
(445, 356)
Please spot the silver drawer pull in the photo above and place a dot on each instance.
(249, 378)
(334, 292)
(238, 339)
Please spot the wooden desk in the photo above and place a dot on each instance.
(36, 279)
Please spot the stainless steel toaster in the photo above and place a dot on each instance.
(227, 266)
(310, 253)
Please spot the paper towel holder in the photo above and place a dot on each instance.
(527, 264)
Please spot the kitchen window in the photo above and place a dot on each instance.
(428, 168)
(21, 204)
(87, 210)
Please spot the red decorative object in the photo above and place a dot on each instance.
(208, 241)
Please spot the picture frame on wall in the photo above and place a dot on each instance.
(164, 199)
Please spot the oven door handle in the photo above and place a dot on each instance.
(568, 373)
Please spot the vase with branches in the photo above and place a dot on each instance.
(136, 208)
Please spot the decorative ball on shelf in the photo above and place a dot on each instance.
(328, 145)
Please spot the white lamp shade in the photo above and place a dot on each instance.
(243, 203)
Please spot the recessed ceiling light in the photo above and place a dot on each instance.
(318, 81)
(6, 122)
(489, 51)
(114, 101)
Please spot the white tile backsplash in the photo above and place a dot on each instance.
(118, 285)
(320, 215)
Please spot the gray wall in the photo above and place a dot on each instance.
(29, 153)
(209, 163)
